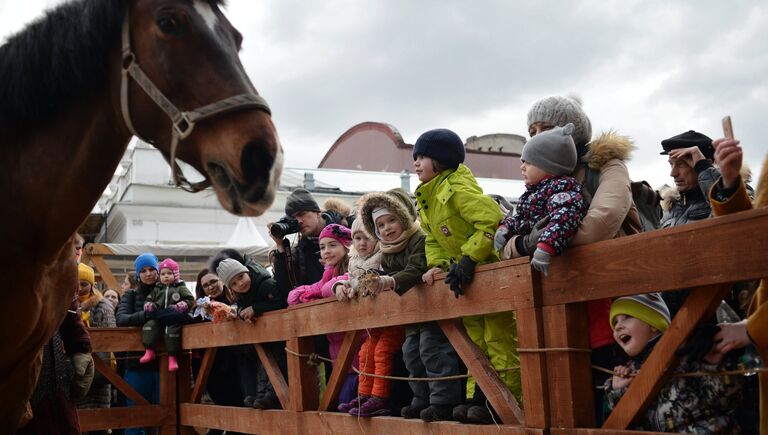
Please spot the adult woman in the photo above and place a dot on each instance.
(129, 282)
(113, 297)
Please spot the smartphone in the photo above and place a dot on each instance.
(727, 127)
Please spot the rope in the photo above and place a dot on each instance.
(314, 356)
(746, 372)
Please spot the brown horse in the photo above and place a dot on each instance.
(74, 86)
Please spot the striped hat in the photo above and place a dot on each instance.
(649, 308)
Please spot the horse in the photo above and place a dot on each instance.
(75, 86)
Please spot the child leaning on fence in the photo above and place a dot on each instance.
(167, 308)
(698, 404)
(460, 222)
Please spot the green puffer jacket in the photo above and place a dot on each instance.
(458, 218)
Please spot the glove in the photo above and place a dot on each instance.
(501, 238)
(149, 307)
(384, 282)
(459, 274)
(81, 383)
(341, 290)
(699, 343)
(540, 261)
(180, 307)
(526, 244)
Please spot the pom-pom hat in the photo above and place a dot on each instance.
(86, 273)
(337, 232)
(168, 263)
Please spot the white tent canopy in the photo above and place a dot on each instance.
(246, 233)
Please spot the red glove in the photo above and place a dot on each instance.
(181, 307)
(150, 306)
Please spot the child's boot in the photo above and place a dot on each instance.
(436, 413)
(373, 407)
(460, 412)
(354, 403)
(149, 355)
(173, 365)
(412, 411)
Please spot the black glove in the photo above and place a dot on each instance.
(460, 273)
(526, 245)
(699, 343)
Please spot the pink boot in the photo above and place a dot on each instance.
(149, 355)
(172, 364)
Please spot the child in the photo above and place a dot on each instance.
(426, 351)
(255, 292)
(169, 304)
(550, 192)
(460, 221)
(379, 349)
(334, 244)
(705, 404)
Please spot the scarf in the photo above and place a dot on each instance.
(398, 245)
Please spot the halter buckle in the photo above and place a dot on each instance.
(183, 126)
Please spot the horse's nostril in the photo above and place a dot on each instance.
(256, 162)
(219, 175)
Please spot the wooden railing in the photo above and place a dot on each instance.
(551, 325)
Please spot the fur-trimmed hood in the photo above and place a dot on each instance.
(761, 198)
(669, 194)
(374, 200)
(337, 205)
(92, 301)
(606, 147)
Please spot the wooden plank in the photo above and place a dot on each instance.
(502, 400)
(97, 249)
(591, 431)
(275, 376)
(533, 365)
(302, 377)
(184, 388)
(118, 382)
(121, 418)
(116, 339)
(168, 397)
(349, 348)
(569, 373)
(646, 262)
(105, 272)
(701, 303)
(328, 423)
(202, 374)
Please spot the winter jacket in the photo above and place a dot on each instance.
(166, 296)
(305, 265)
(691, 206)
(558, 198)
(458, 218)
(705, 404)
(100, 314)
(263, 296)
(130, 312)
(757, 315)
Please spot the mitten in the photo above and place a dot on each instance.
(181, 307)
(149, 306)
(84, 371)
(540, 261)
(384, 282)
(501, 238)
(526, 244)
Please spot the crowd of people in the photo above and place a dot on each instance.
(392, 241)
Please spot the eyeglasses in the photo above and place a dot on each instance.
(210, 283)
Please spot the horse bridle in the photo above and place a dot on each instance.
(182, 122)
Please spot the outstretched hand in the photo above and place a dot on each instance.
(728, 157)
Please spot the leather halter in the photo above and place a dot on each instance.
(182, 122)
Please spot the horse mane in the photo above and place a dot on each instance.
(57, 60)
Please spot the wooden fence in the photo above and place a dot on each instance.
(551, 325)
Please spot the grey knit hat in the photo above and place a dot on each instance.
(228, 269)
(558, 111)
(300, 200)
(553, 151)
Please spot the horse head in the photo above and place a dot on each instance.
(188, 53)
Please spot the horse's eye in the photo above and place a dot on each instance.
(168, 25)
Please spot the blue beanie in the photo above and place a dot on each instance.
(144, 260)
(442, 145)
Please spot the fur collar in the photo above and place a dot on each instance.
(606, 147)
(761, 199)
(92, 301)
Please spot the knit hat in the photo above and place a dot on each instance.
(337, 232)
(358, 227)
(168, 263)
(86, 273)
(300, 200)
(146, 259)
(649, 308)
(228, 269)
(442, 145)
(552, 151)
(689, 139)
(558, 111)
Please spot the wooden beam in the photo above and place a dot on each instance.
(105, 272)
(645, 262)
(121, 418)
(302, 377)
(168, 397)
(97, 249)
(117, 381)
(349, 348)
(328, 423)
(533, 365)
(502, 400)
(116, 339)
(202, 374)
(661, 363)
(184, 388)
(275, 375)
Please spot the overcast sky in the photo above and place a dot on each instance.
(649, 69)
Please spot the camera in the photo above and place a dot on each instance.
(286, 225)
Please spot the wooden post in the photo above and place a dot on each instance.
(202, 375)
(302, 377)
(167, 397)
(349, 348)
(105, 272)
(275, 376)
(183, 389)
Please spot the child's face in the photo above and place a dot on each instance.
(632, 334)
(532, 174)
(166, 276)
(331, 251)
(111, 296)
(148, 275)
(425, 168)
(241, 283)
(363, 244)
(390, 228)
(84, 288)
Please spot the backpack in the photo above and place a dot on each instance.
(647, 201)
